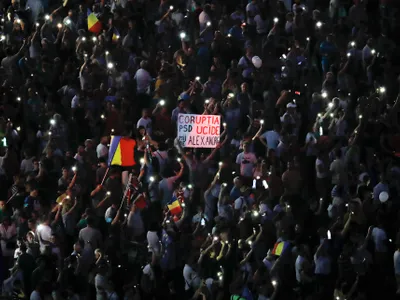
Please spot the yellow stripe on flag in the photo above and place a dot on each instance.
(117, 160)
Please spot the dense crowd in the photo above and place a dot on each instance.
(299, 199)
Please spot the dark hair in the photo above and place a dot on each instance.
(90, 221)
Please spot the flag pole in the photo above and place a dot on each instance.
(108, 168)
(126, 191)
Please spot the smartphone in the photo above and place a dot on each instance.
(203, 222)
(254, 183)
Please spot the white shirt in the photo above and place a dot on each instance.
(26, 165)
(272, 138)
(246, 162)
(44, 234)
(251, 9)
(101, 150)
(154, 242)
(261, 25)
(203, 19)
(75, 101)
(396, 260)
(146, 123)
(319, 162)
(366, 53)
(237, 16)
(299, 267)
(246, 66)
(35, 296)
(8, 233)
(379, 237)
(192, 280)
(143, 81)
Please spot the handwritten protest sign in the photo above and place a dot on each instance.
(199, 131)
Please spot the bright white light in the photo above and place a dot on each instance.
(324, 94)
(110, 65)
(255, 213)
(348, 54)
(52, 122)
(207, 101)
(102, 116)
(18, 128)
(142, 161)
(162, 102)
(190, 186)
(59, 25)
(171, 7)
(47, 17)
(73, 169)
(107, 52)
(83, 39)
(182, 35)
(331, 115)
(382, 89)
(231, 95)
(274, 283)
(68, 21)
(208, 24)
(108, 193)
(353, 44)
(18, 99)
(151, 179)
(329, 235)
(94, 39)
(261, 121)
(373, 51)
(330, 105)
(224, 124)
(319, 24)
(276, 20)
(197, 78)
(178, 159)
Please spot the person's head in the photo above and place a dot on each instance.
(90, 221)
(77, 247)
(98, 254)
(142, 131)
(143, 64)
(34, 192)
(246, 147)
(2, 205)
(145, 113)
(32, 224)
(249, 51)
(244, 87)
(65, 173)
(237, 182)
(181, 104)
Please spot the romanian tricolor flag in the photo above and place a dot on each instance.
(94, 24)
(115, 36)
(279, 248)
(175, 208)
(122, 151)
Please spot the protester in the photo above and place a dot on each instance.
(288, 188)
